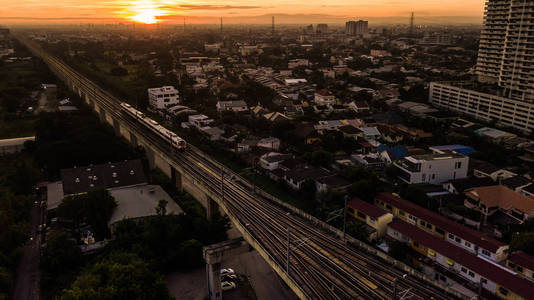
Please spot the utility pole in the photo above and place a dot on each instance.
(395, 289)
(222, 185)
(221, 25)
(345, 215)
(272, 29)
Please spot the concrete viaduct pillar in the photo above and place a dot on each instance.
(176, 178)
(212, 208)
(214, 256)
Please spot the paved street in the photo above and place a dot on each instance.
(28, 276)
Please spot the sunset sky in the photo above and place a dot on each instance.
(150, 11)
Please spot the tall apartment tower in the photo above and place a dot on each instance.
(506, 50)
(357, 27)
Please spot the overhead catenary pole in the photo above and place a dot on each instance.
(288, 249)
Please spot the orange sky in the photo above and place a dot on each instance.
(174, 10)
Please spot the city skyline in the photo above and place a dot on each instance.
(239, 11)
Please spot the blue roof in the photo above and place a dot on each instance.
(462, 149)
(394, 153)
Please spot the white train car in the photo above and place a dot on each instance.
(176, 141)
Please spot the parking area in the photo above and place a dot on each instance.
(261, 279)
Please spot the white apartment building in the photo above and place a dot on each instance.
(434, 168)
(505, 111)
(505, 57)
(161, 98)
(506, 50)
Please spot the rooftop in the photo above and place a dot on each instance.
(448, 225)
(366, 208)
(82, 179)
(16, 141)
(523, 259)
(140, 201)
(486, 269)
(503, 197)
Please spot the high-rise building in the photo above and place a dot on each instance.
(506, 50)
(506, 58)
(357, 27)
(322, 28)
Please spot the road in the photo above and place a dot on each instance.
(319, 264)
(28, 276)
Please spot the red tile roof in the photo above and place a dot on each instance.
(426, 215)
(522, 259)
(366, 208)
(502, 277)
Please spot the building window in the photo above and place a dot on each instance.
(449, 262)
(428, 225)
(431, 252)
(451, 236)
(471, 274)
(440, 231)
(458, 165)
(458, 240)
(486, 252)
(351, 210)
(464, 270)
(422, 222)
(361, 215)
(503, 291)
(388, 206)
(402, 213)
(467, 244)
(519, 269)
(511, 265)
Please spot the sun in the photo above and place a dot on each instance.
(145, 11)
(147, 16)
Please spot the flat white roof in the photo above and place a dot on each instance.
(140, 201)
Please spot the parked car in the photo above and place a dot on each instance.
(227, 271)
(229, 278)
(226, 286)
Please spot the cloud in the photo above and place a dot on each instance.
(216, 7)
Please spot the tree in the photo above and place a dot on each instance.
(523, 241)
(365, 189)
(61, 253)
(94, 208)
(119, 71)
(357, 230)
(400, 251)
(118, 276)
(161, 208)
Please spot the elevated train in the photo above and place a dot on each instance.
(171, 137)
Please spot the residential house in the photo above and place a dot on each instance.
(296, 178)
(276, 117)
(324, 97)
(522, 263)
(484, 169)
(490, 199)
(307, 132)
(199, 121)
(213, 133)
(442, 227)
(370, 161)
(359, 106)
(235, 106)
(375, 219)
(271, 161)
(370, 133)
(162, 97)
(350, 131)
(448, 259)
(434, 168)
(270, 143)
(459, 186)
(331, 183)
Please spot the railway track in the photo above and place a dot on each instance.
(324, 266)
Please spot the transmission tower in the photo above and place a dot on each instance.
(411, 24)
